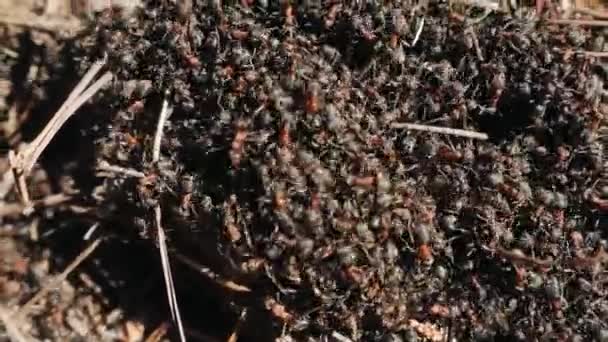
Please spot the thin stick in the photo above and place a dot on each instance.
(227, 284)
(56, 282)
(45, 138)
(162, 239)
(19, 179)
(481, 3)
(90, 231)
(82, 84)
(13, 209)
(23, 162)
(44, 23)
(595, 23)
(596, 54)
(75, 96)
(51, 127)
(340, 337)
(162, 118)
(107, 167)
(167, 274)
(418, 32)
(591, 12)
(441, 130)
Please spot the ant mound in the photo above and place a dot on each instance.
(366, 172)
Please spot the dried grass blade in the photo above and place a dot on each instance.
(53, 127)
(167, 274)
(441, 130)
(159, 130)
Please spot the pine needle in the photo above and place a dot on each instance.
(167, 274)
(162, 239)
(441, 130)
(22, 163)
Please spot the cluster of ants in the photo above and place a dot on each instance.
(312, 149)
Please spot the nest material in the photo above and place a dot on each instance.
(282, 169)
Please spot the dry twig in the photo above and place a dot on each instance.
(162, 240)
(162, 119)
(14, 209)
(90, 231)
(339, 337)
(46, 23)
(56, 281)
(418, 32)
(23, 162)
(594, 23)
(486, 4)
(167, 274)
(596, 54)
(227, 284)
(591, 12)
(81, 93)
(104, 166)
(441, 130)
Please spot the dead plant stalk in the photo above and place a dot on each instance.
(162, 240)
(23, 161)
(441, 130)
(581, 22)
